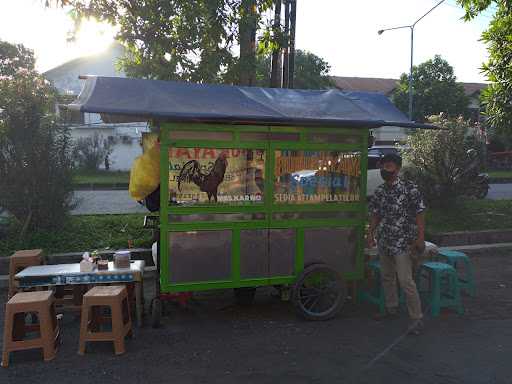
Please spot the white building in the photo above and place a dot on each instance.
(125, 138)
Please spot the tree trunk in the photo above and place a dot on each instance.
(247, 26)
(275, 76)
(286, 42)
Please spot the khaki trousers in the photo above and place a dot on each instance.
(400, 265)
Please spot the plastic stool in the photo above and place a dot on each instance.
(441, 296)
(455, 258)
(20, 260)
(376, 294)
(15, 329)
(114, 297)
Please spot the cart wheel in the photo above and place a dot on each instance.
(244, 296)
(319, 293)
(156, 312)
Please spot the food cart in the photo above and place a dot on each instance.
(258, 187)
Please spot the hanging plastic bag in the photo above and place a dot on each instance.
(145, 174)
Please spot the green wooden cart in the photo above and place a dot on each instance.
(258, 187)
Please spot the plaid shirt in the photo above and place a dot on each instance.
(397, 207)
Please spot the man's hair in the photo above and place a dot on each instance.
(392, 158)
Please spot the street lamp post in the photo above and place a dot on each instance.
(411, 27)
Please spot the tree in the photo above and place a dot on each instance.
(311, 71)
(182, 39)
(14, 57)
(435, 90)
(443, 163)
(496, 97)
(35, 161)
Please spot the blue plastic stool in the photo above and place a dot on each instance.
(440, 295)
(455, 258)
(376, 294)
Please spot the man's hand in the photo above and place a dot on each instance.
(419, 244)
(371, 241)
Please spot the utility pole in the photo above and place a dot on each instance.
(411, 27)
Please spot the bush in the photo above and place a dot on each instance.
(90, 152)
(35, 153)
(439, 163)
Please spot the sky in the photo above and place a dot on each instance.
(343, 32)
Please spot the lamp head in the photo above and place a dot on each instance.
(380, 32)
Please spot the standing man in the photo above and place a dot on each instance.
(397, 220)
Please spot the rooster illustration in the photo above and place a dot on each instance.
(209, 183)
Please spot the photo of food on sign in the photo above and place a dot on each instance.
(312, 177)
(216, 175)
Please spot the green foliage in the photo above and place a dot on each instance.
(438, 161)
(496, 97)
(90, 152)
(83, 233)
(435, 90)
(35, 161)
(180, 39)
(101, 177)
(311, 71)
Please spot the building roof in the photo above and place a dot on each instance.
(387, 86)
(365, 84)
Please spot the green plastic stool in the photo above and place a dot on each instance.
(441, 295)
(376, 294)
(455, 258)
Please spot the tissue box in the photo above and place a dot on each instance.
(86, 266)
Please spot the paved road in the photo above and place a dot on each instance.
(96, 202)
(500, 191)
(214, 341)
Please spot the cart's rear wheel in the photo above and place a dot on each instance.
(319, 293)
(244, 296)
(156, 312)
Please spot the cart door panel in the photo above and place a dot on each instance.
(282, 252)
(196, 256)
(254, 261)
(336, 247)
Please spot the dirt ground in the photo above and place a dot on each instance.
(215, 341)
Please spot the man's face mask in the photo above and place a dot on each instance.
(386, 175)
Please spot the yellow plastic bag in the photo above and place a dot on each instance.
(145, 174)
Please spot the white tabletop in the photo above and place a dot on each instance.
(136, 267)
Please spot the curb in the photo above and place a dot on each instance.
(465, 238)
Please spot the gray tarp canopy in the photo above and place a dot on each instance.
(123, 99)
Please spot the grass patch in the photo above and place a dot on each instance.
(83, 233)
(500, 174)
(101, 177)
(471, 215)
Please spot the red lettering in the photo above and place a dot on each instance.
(197, 151)
(210, 153)
(183, 152)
